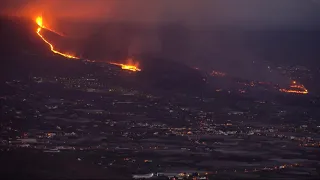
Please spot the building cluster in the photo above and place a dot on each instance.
(92, 113)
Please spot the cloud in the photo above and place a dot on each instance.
(248, 13)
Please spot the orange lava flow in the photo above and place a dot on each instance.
(128, 66)
(295, 88)
(41, 26)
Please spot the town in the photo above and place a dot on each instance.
(114, 125)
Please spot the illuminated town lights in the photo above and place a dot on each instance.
(217, 73)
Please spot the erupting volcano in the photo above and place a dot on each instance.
(131, 66)
(39, 21)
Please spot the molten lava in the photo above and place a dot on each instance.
(39, 21)
(130, 65)
(295, 88)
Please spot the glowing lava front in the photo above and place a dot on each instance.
(295, 88)
(131, 66)
(39, 21)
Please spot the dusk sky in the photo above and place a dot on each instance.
(239, 13)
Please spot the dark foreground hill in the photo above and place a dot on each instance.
(23, 53)
(171, 75)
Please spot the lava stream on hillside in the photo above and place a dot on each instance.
(130, 65)
(39, 21)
